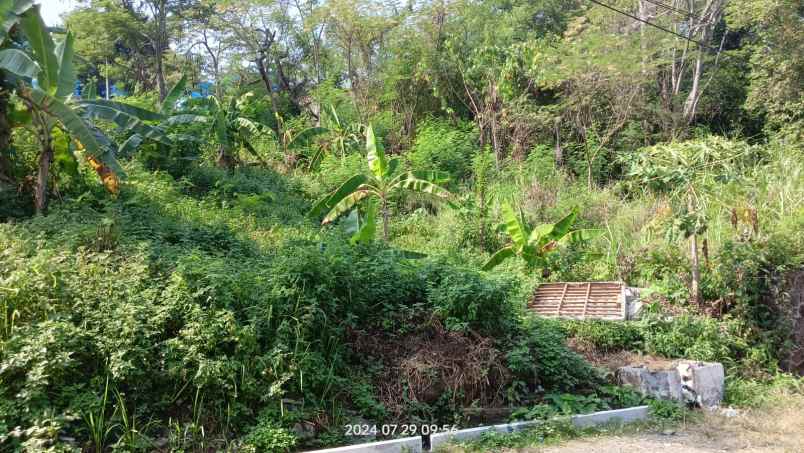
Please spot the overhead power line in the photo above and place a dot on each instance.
(673, 9)
(664, 29)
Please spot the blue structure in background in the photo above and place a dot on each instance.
(203, 90)
(114, 91)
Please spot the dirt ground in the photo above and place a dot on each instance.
(779, 429)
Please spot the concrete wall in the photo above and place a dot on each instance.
(701, 383)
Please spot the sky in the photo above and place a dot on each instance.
(52, 9)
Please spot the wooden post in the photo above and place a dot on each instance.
(586, 301)
(561, 301)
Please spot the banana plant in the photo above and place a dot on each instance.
(145, 124)
(288, 141)
(380, 183)
(534, 245)
(44, 79)
(232, 130)
(340, 137)
(362, 230)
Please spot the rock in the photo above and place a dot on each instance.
(304, 430)
(729, 412)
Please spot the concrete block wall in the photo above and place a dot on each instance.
(701, 383)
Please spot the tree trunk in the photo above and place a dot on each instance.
(482, 216)
(710, 17)
(692, 98)
(43, 174)
(695, 288)
(216, 65)
(160, 46)
(589, 180)
(6, 173)
(160, 75)
(268, 86)
(225, 159)
(385, 219)
(559, 153)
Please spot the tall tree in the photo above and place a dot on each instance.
(358, 29)
(260, 29)
(162, 19)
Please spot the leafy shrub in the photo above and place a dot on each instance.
(204, 304)
(665, 167)
(605, 336)
(667, 410)
(443, 146)
(537, 412)
(743, 392)
(469, 300)
(619, 397)
(267, 436)
(556, 366)
(363, 398)
(691, 337)
(332, 172)
(568, 404)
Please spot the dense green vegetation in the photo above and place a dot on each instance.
(319, 236)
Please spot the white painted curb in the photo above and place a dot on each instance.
(414, 444)
(404, 445)
(461, 436)
(627, 415)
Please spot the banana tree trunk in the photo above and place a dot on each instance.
(42, 176)
(225, 159)
(6, 174)
(385, 219)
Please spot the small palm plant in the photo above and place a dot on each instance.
(534, 245)
(380, 183)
